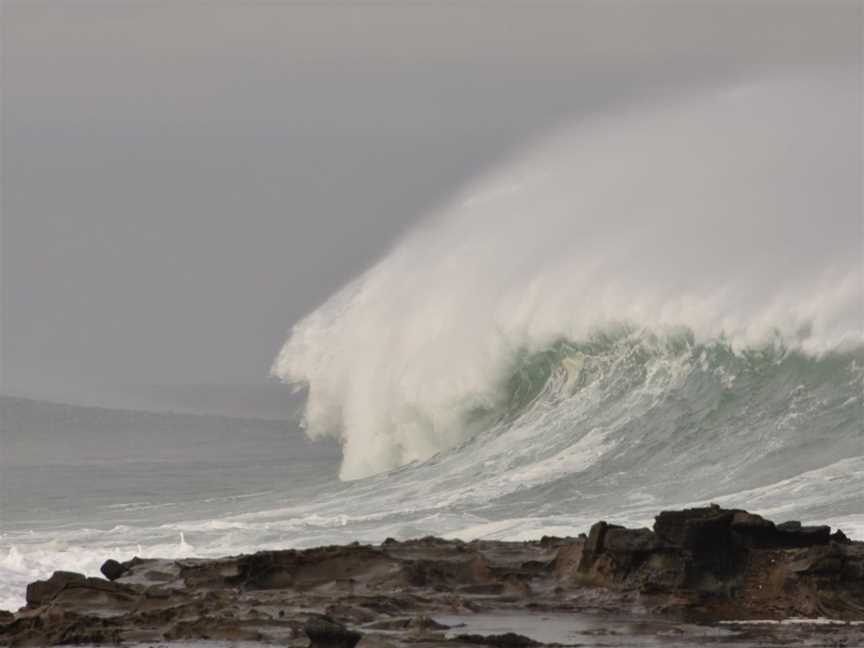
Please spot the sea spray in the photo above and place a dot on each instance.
(732, 214)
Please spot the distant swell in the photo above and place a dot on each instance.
(680, 281)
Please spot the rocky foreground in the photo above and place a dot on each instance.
(696, 566)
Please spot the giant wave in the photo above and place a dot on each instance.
(660, 301)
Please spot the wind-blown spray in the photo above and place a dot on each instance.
(730, 216)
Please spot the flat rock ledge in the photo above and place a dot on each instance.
(696, 565)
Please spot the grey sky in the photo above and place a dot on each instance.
(183, 180)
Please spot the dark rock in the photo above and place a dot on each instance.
(41, 592)
(324, 632)
(754, 531)
(593, 545)
(6, 617)
(705, 564)
(705, 533)
(112, 570)
(506, 640)
(745, 522)
(709, 539)
(619, 540)
(804, 536)
(677, 527)
(534, 565)
(839, 537)
(750, 530)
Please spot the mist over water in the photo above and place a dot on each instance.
(730, 216)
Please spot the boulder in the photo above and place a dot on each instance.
(112, 570)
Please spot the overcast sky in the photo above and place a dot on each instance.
(183, 180)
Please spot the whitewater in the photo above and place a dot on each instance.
(713, 217)
(654, 307)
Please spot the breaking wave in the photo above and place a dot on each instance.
(672, 293)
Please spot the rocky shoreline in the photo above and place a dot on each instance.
(695, 567)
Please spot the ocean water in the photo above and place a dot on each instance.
(78, 485)
(657, 308)
(617, 429)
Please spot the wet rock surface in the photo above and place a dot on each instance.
(696, 566)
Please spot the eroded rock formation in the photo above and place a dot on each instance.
(704, 564)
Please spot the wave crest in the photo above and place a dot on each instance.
(718, 215)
